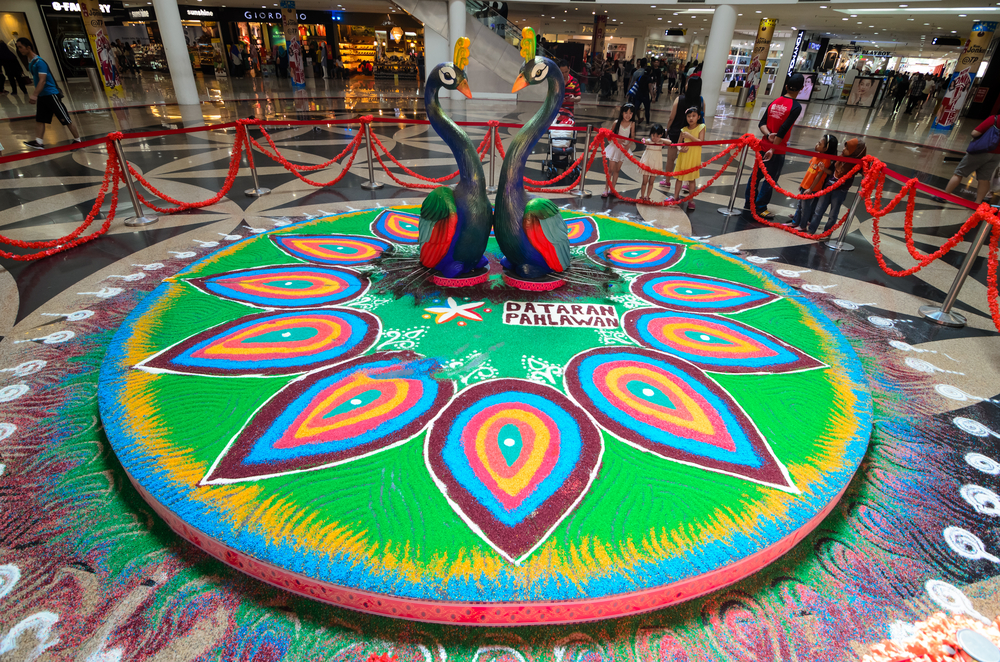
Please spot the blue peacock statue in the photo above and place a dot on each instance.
(531, 232)
(455, 224)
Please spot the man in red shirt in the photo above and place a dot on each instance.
(983, 164)
(573, 93)
(775, 125)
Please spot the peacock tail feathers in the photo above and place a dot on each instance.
(541, 208)
(437, 225)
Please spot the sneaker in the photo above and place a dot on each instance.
(938, 199)
(34, 144)
(691, 205)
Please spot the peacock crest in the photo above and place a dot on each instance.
(462, 52)
(528, 44)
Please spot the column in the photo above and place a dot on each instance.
(168, 18)
(720, 38)
(435, 52)
(457, 13)
(782, 73)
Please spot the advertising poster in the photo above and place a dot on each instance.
(600, 30)
(809, 82)
(296, 58)
(758, 58)
(100, 45)
(864, 91)
(965, 73)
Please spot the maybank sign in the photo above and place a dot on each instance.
(75, 6)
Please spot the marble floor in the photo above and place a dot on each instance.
(956, 371)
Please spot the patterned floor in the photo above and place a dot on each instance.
(90, 573)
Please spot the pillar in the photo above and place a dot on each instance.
(782, 73)
(435, 52)
(457, 13)
(720, 38)
(168, 19)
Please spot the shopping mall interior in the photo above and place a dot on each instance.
(805, 410)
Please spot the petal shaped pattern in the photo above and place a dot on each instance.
(664, 405)
(282, 343)
(636, 255)
(513, 458)
(343, 250)
(396, 226)
(333, 416)
(287, 286)
(582, 230)
(699, 294)
(715, 344)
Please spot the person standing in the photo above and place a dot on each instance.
(643, 89)
(573, 93)
(915, 92)
(656, 76)
(775, 126)
(46, 96)
(324, 58)
(983, 164)
(898, 92)
(12, 69)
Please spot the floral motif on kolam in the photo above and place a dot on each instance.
(699, 294)
(338, 249)
(397, 227)
(669, 407)
(291, 286)
(636, 255)
(281, 343)
(715, 343)
(513, 457)
(582, 230)
(332, 416)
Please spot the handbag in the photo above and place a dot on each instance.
(986, 142)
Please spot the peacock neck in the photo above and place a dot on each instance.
(528, 136)
(470, 169)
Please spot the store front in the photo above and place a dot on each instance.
(69, 37)
(381, 45)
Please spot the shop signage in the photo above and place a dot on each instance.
(876, 54)
(795, 52)
(267, 16)
(75, 6)
(139, 13)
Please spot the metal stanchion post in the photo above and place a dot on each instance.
(139, 219)
(492, 188)
(942, 314)
(581, 190)
(840, 245)
(256, 191)
(371, 184)
(729, 211)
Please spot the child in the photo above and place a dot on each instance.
(652, 158)
(690, 156)
(625, 128)
(854, 148)
(819, 169)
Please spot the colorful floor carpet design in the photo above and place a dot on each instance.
(484, 455)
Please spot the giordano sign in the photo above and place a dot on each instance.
(236, 14)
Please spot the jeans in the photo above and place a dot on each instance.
(834, 200)
(805, 211)
(764, 190)
(639, 102)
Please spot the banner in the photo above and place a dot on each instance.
(296, 58)
(758, 58)
(100, 45)
(597, 45)
(965, 73)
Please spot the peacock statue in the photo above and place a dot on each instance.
(455, 225)
(531, 232)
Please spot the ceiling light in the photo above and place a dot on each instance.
(843, 19)
(822, 6)
(954, 31)
(758, 11)
(909, 19)
(739, 14)
(871, 26)
(660, 18)
(854, 15)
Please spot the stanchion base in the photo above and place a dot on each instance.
(938, 316)
(139, 221)
(372, 186)
(839, 246)
(582, 194)
(257, 192)
(729, 212)
(491, 189)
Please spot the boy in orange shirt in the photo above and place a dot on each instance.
(816, 174)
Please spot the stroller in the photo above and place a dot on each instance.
(562, 150)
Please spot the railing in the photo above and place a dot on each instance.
(875, 173)
(499, 25)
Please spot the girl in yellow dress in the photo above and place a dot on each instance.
(689, 157)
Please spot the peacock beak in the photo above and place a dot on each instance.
(520, 83)
(463, 87)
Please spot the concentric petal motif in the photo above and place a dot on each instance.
(283, 343)
(699, 294)
(396, 226)
(636, 255)
(715, 344)
(333, 416)
(664, 405)
(344, 250)
(291, 286)
(513, 458)
(582, 230)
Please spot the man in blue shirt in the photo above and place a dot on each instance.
(45, 96)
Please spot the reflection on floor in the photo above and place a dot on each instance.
(92, 574)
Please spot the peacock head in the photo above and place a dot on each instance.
(536, 68)
(452, 74)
